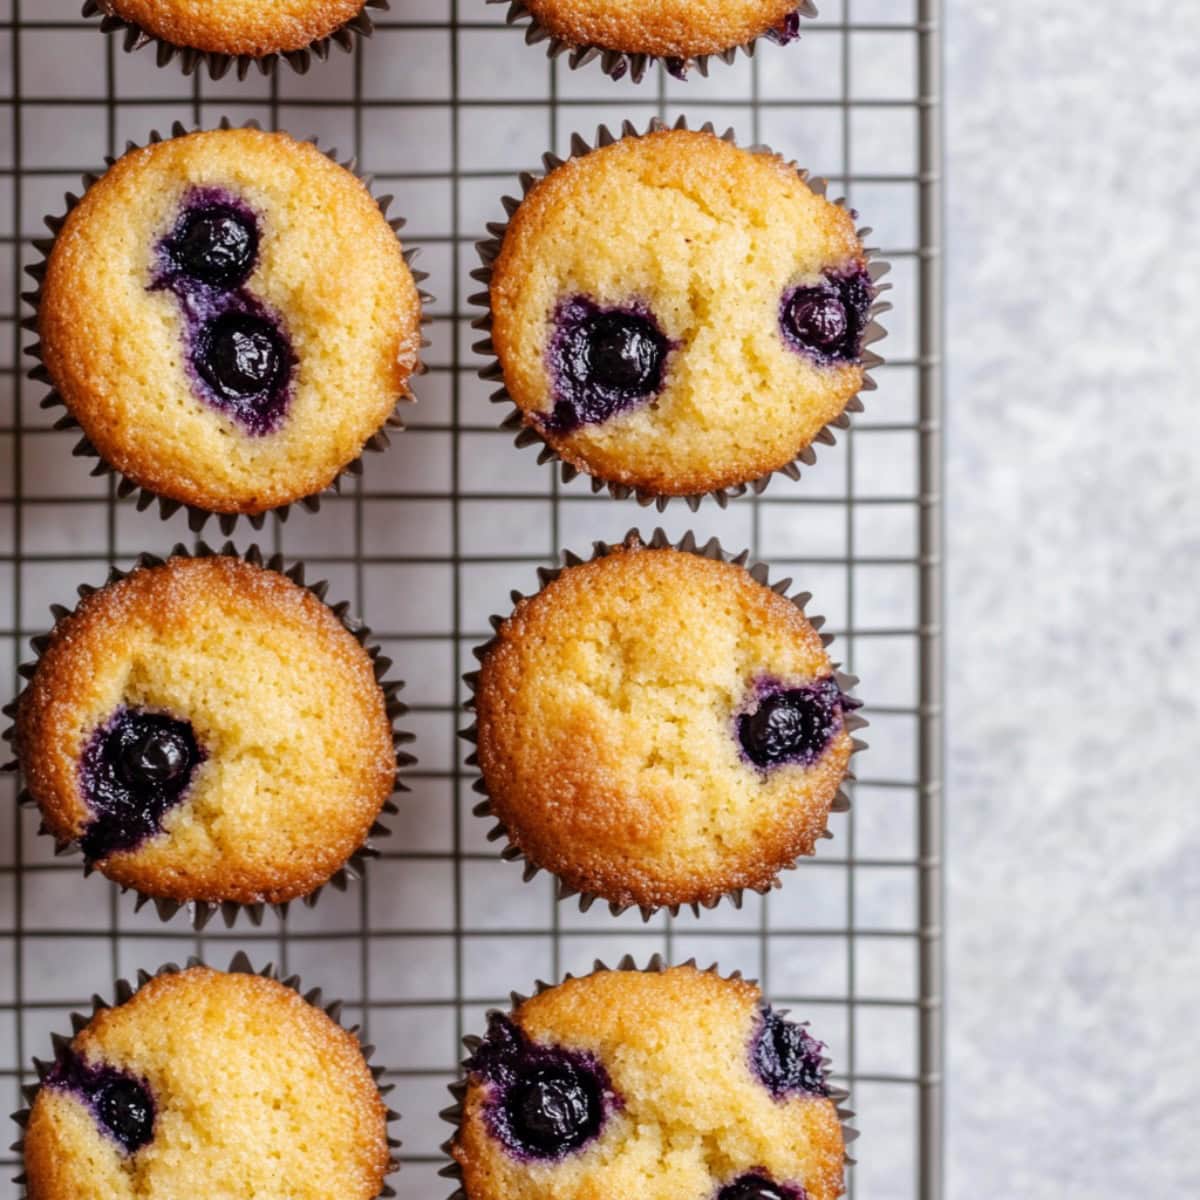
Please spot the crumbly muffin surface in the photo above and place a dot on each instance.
(609, 733)
(290, 754)
(234, 418)
(231, 1087)
(667, 28)
(643, 305)
(236, 27)
(684, 1113)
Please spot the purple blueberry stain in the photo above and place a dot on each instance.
(120, 1103)
(239, 357)
(602, 361)
(787, 1058)
(543, 1102)
(788, 30)
(782, 724)
(758, 1185)
(136, 767)
(826, 321)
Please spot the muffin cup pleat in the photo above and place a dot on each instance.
(144, 497)
(134, 37)
(688, 544)
(656, 965)
(240, 964)
(618, 64)
(526, 433)
(203, 911)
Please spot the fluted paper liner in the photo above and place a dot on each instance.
(202, 911)
(240, 964)
(619, 63)
(453, 1114)
(688, 544)
(526, 432)
(167, 506)
(134, 37)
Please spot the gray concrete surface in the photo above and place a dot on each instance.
(1074, 529)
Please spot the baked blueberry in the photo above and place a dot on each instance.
(787, 1058)
(757, 1186)
(603, 361)
(555, 1109)
(121, 1104)
(245, 362)
(135, 769)
(215, 242)
(126, 1110)
(826, 321)
(791, 725)
(545, 1101)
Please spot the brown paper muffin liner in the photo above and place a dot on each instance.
(656, 965)
(659, 540)
(167, 507)
(619, 63)
(203, 911)
(240, 964)
(527, 434)
(134, 37)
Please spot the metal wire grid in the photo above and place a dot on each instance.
(444, 105)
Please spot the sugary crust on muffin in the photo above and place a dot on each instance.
(676, 1047)
(258, 1093)
(606, 726)
(329, 265)
(236, 27)
(283, 700)
(666, 28)
(708, 237)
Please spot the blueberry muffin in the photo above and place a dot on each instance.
(648, 1085)
(207, 730)
(229, 317)
(234, 27)
(657, 728)
(676, 30)
(677, 315)
(208, 1084)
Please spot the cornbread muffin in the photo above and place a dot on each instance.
(657, 728)
(207, 730)
(648, 1086)
(253, 28)
(208, 1084)
(672, 29)
(677, 315)
(229, 317)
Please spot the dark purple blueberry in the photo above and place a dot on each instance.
(758, 1185)
(161, 754)
(792, 725)
(135, 768)
(241, 356)
(122, 1105)
(215, 244)
(603, 361)
(126, 1110)
(544, 1101)
(554, 1110)
(787, 1059)
(788, 30)
(826, 321)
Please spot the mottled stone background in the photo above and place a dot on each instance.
(1074, 527)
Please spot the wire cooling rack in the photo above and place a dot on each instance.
(444, 105)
